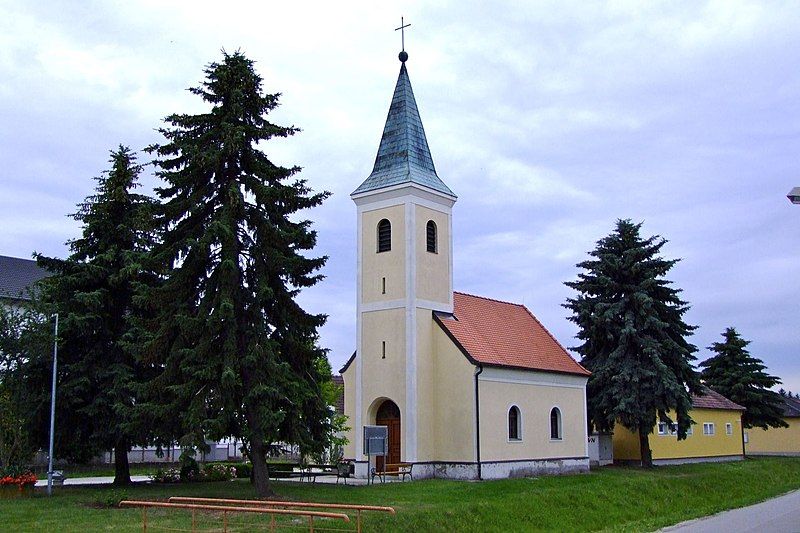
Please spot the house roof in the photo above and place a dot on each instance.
(495, 333)
(339, 382)
(711, 399)
(403, 155)
(17, 276)
(791, 407)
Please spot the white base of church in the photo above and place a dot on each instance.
(491, 469)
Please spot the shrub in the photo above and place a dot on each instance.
(169, 475)
(190, 469)
(20, 477)
(218, 472)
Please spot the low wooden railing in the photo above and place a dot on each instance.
(291, 505)
(226, 509)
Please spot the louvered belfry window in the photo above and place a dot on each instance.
(431, 236)
(384, 236)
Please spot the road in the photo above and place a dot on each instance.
(778, 515)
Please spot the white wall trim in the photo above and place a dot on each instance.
(403, 189)
(358, 422)
(532, 377)
(383, 306)
(411, 333)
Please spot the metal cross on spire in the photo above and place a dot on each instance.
(402, 28)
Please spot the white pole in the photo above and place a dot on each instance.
(52, 410)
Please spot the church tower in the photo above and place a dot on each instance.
(405, 273)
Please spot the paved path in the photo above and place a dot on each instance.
(104, 480)
(778, 515)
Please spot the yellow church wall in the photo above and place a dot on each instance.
(775, 441)
(426, 384)
(433, 269)
(453, 400)
(535, 394)
(390, 265)
(383, 378)
(349, 377)
(696, 445)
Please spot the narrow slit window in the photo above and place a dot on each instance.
(383, 285)
(383, 349)
(384, 236)
(514, 423)
(431, 236)
(555, 424)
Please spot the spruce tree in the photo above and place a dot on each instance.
(741, 378)
(238, 355)
(92, 291)
(630, 320)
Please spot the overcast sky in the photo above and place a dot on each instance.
(549, 120)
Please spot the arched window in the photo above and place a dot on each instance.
(431, 236)
(384, 236)
(514, 432)
(555, 424)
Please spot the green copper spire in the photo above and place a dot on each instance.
(403, 155)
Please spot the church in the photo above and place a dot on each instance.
(468, 387)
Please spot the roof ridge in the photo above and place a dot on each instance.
(490, 299)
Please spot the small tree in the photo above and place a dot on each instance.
(634, 337)
(741, 378)
(237, 355)
(92, 290)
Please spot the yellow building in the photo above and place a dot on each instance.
(777, 441)
(468, 387)
(716, 435)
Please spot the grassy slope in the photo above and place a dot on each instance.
(620, 499)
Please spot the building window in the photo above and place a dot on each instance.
(555, 424)
(383, 285)
(384, 236)
(431, 236)
(383, 349)
(690, 430)
(662, 428)
(514, 421)
(708, 428)
(729, 429)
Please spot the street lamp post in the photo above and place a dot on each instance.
(794, 195)
(52, 410)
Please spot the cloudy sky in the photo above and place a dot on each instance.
(550, 120)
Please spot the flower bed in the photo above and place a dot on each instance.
(17, 483)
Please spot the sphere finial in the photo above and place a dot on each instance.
(403, 56)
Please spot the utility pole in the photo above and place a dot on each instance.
(52, 410)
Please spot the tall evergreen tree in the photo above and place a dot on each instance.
(741, 378)
(92, 291)
(237, 353)
(634, 337)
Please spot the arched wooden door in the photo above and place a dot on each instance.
(389, 415)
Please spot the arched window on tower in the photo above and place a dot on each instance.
(514, 421)
(431, 236)
(384, 236)
(555, 424)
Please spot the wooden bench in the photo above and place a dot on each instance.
(401, 470)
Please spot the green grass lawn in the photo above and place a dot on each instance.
(614, 498)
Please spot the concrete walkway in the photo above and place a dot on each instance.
(104, 480)
(778, 515)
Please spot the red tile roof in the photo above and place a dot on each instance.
(498, 333)
(711, 399)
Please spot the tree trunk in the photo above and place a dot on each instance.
(122, 469)
(260, 474)
(644, 449)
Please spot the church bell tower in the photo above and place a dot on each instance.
(405, 272)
